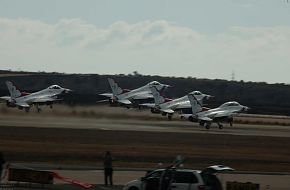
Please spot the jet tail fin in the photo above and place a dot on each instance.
(195, 104)
(13, 90)
(158, 99)
(115, 87)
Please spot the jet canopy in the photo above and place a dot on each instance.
(230, 104)
(196, 93)
(154, 83)
(54, 87)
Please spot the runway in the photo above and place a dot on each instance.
(141, 143)
(140, 125)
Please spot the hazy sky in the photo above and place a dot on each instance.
(197, 38)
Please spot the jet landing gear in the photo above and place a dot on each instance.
(231, 120)
(27, 109)
(205, 124)
(169, 116)
(38, 108)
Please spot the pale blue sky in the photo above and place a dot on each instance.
(197, 38)
(202, 15)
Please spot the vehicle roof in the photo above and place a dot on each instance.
(211, 169)
(178, 169)
(217, 168)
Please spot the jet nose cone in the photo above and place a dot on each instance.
(66, 90)
(168, 86)
(208, 96)
(165, 86)
(245, 108)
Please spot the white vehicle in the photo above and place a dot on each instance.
(24, 100)
(126, 97)
(179, 179)
(167, 107)
(223, 113)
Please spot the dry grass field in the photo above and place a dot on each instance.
(138, 149)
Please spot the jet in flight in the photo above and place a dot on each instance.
(168, 106)
(24, 100)
(126, 97)
(223, 113)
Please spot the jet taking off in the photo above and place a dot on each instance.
(223, 113)
(125, 97)
(168, 106)
(24, 100)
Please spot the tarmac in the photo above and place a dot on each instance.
(267, 181)
(140, 125)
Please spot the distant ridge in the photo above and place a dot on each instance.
(262, 98)
(10, 72)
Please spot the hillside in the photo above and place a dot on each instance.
(262, 98)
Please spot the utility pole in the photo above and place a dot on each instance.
(233, 75)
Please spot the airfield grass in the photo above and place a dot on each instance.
(133, 149)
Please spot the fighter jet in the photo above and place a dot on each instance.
(125, 97)
(168, 106)
(24, 100)
(223, 113)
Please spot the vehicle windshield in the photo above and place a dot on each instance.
(154, 174)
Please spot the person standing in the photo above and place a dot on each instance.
(108, 168)
(2, 164)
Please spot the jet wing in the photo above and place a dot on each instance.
(183, 105)
(125, 101)
(5, 98)
(101, 101)
(45, 99)
(142, 96)
(109, 95)
(22, 104)
(223, 114)
(150, 105)
(204, 118)
(167, 110)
